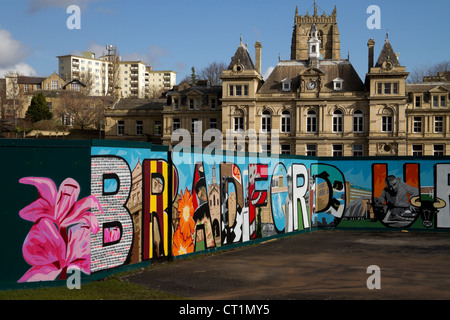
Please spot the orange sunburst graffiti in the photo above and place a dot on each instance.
(182, 239)
(186, 214)
(180, 245)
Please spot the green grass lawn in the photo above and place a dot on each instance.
(108, 289)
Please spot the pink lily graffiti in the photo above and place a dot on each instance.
(60, 237)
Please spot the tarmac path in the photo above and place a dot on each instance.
(319, 265)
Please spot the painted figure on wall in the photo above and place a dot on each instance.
(394, 200)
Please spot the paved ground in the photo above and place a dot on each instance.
(320, 265)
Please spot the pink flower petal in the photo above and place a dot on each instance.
(80, 213)
(43, 206)
(44, 245)
(40, 273)
(79, 248)
(67, 196)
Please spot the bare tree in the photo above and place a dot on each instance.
(113, 69)
(154, 91)
(79, 110)
(88, 79)
(15, 96)
(419, 72)
(212, 73)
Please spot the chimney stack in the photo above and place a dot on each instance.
(371, 45)
(258, 47)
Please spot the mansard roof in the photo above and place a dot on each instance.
(330, 70)
(242, 57)
(139, 104)
(387, 53)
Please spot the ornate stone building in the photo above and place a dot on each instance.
(316, 102)
(320, 106)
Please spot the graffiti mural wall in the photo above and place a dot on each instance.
(96, 206)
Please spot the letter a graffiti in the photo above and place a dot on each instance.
(374, 281)
(374, 21)
(74, 21)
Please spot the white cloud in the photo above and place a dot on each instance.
(12, 54)
(267, 73)
(21, 68)
(11, 50)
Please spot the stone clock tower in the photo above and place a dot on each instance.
(327, 33)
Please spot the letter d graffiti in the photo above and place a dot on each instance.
(374, 281)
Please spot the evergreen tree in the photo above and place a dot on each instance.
(38, 109)
(194, 77)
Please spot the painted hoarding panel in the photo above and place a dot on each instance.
(104, 207)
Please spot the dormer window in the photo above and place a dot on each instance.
(286, 84)
(338, 84)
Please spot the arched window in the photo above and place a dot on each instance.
(285, 121)
(311, 121)
(358, 121)
(265, 121)
(337, 121)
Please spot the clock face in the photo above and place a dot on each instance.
(311, 85)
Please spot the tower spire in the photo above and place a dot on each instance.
(315, 8)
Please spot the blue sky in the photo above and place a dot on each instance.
(178, 34)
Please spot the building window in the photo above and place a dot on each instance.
(285, 149)
(194, 126)
(285, 121)
(387, 88)
(197, 104)
(395, 88)
(25, 87)
(337, 121)
(442, 101)
(175, 104)
(238, 124)
(358, 150)
(358, 121)
(311, 150)
(176, 124)
(438, 124)
(417, 150)
(213, 104)
(386, 124)
(435, 101)
(311, 121)
(417, 124)
(338, 150)
(438, 149)
(265, 121)
(158, 128)
(191, 104)
(379, 88)
(286, 84)
(73, 86)
(139, 128)
(418, 102)
(67, 120)
(120, 127)
(54, 85)
(213, 123)
(238, 90)
(337, 84)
